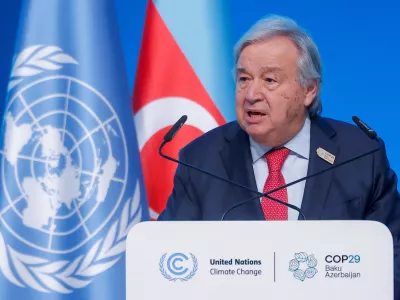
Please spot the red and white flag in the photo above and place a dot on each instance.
(182, 70)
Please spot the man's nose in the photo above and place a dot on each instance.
(254, 92)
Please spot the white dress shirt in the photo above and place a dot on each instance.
(294, 167)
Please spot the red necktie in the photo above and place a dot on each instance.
(273, 210)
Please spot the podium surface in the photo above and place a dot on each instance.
(259, 260)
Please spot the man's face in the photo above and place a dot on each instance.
(271, 104)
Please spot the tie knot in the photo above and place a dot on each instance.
(276, 158)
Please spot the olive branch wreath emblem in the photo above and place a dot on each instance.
(169, 277)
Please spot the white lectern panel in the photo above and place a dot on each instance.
(260, 260)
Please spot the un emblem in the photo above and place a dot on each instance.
(178, 266)
(64, 172)
(303, 266)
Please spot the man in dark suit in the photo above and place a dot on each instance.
(279, 136)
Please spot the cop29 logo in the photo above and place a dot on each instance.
(178, 266)
(303, 266)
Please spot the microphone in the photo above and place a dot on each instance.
(364, 127)
(174, 129)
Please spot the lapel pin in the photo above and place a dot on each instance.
(325, 155)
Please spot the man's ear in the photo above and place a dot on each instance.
(311, 93)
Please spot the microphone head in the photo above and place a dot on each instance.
(174, 129)
(365, 128)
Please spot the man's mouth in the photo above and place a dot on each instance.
(255, 114)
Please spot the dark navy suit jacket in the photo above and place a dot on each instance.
(365, 189)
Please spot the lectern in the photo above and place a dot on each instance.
(344, 260)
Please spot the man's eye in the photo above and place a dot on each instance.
(269, 80)
(243, 79)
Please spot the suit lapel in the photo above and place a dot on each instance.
(316, 189)
(237, 160)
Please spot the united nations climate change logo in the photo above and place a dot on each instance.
(178, 266)
(64, 171)
(303, 266)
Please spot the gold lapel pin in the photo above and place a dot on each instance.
(325, 155)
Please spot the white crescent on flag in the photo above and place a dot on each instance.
(162, 113)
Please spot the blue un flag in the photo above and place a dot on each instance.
(70, 174)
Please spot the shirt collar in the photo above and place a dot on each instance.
(299, 144)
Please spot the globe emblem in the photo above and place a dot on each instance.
(64, 164)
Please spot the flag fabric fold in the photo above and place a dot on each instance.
(183, 69)
(70, 171)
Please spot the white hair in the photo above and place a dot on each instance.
(309, 63)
